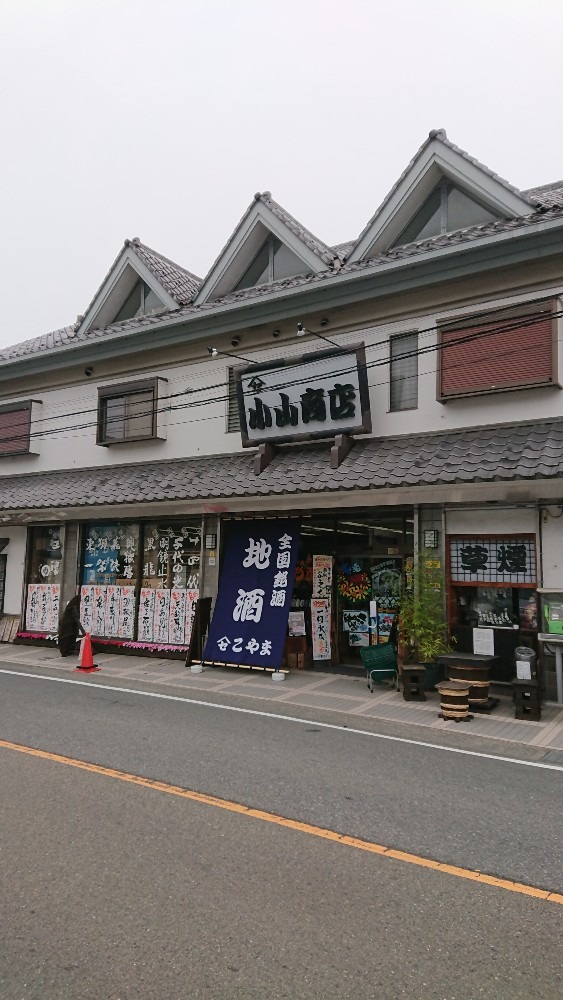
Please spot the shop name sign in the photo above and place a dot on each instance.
(504, 560)
(315, 396)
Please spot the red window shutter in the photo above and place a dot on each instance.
(512, 352)
(15, 430)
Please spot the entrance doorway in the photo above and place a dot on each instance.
(370, 553)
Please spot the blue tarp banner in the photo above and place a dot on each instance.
(249, 622)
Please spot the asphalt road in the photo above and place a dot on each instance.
(111, 890)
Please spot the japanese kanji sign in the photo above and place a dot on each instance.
(319, 395)
(320, 628)
(504, 560)
(322, 576)
(250, 617)
(42, 610)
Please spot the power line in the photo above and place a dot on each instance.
(514, 323)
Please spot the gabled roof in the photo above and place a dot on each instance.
(172, 284)
(263, 216)
(437, 158)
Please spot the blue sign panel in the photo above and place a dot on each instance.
(249, 622)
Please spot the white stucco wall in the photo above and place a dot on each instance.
(197, 390)
(491, 520)
(552, 547)
(15, 566)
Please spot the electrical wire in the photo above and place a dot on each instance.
(513, 323)
(428, 331)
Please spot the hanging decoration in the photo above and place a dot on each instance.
(353, 584)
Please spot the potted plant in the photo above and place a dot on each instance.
(423, 629)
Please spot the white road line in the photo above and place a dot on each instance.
(285, 718)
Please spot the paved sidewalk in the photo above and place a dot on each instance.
(331, 692)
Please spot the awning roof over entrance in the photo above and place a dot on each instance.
(506, 453)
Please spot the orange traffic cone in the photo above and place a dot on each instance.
(87, 660)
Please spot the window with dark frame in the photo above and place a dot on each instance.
(15, 428)
(273, 262)
(403, 372)
(447, 209)
(127, 412)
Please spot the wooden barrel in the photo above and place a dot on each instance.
(477, 676)
(454, 700)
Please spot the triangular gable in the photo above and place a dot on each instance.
(263, 219)
(163, 285)
(436, 160)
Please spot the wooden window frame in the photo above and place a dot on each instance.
(497, 315)
(24, 406)
(117, 391)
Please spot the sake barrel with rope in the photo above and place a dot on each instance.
(454, 700)
(478, 676)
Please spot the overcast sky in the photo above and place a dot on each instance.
(161, 118)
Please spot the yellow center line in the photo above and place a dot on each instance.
(292, 824)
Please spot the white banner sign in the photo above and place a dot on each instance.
(42, 609)
(320, 628)
(192, 597)
(177, 622)
(145, 632)
(161, 616)
(320, 395)
(322, 576)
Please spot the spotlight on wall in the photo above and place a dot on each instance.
(276, 333)
(88, 372)
(235, 341)
(324, 321)
(212, 351)
(301, 331)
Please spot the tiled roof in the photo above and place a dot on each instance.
(440, 134)
(321, 249)
(68, 336)
(548, 195)
(182, 285)
(506, 453)
(46, 342)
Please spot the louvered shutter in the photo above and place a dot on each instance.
(514, 351)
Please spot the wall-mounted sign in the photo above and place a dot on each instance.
(315, 396)
(505, 560)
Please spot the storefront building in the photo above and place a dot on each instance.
(398, 397)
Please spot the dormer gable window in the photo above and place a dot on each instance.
(447, 209)
(273, 262)
(141, 301)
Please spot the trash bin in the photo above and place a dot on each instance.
(526, 667)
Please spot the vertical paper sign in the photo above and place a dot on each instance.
(112, 612)
(86, 607)
(55, 602)
(161, 615)
(126, 612)
(192, 597)
(177, 621)
(32, 610)
(320, 628)
(145, 631)
(250, 617)
(322, 576)
(99, 612)
(44, 619)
